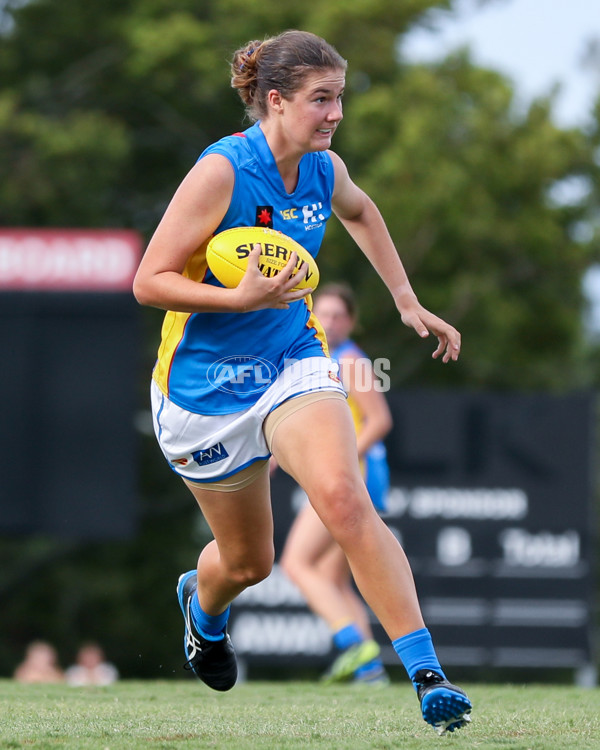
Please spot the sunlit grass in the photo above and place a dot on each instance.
(285, 715)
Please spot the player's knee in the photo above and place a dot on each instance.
(286, 565)
(291, 566)
(252, 571)
(344, 507)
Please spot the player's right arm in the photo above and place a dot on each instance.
(364, 223)
(194, 213)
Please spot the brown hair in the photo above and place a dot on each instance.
(342, 291)
(281, 62)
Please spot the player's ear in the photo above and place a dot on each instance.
(275, 101)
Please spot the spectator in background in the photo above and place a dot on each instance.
(311, 557)
(91, 668)
(40, 664)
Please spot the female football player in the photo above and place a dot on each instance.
(281, 396)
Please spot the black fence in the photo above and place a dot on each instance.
(70, 343)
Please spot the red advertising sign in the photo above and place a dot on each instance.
(97, 260)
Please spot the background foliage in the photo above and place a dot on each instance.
(105, 105)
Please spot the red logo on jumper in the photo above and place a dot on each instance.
(264, 216)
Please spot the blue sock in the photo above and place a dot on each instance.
(416, 652)
(211, 627)
(347, 636)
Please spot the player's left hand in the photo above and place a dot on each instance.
(424, 322)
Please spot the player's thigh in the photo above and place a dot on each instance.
(317, 446)
(241, 521)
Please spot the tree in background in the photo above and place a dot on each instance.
(106, 104)
(467, 185)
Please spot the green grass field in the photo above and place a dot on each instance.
(285, 715)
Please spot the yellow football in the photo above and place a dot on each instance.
(227, 255)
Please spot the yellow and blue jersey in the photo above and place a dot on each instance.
(220, 363)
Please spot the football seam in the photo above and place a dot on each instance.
(226, 260)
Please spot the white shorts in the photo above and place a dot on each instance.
(210, 448)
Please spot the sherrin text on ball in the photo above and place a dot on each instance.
(227, 255)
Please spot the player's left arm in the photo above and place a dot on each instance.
(363, 221)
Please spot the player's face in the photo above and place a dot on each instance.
(335, 319)
(315, 110)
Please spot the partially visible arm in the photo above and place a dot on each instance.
(196, 210)
(363, 221)
(359, 381)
